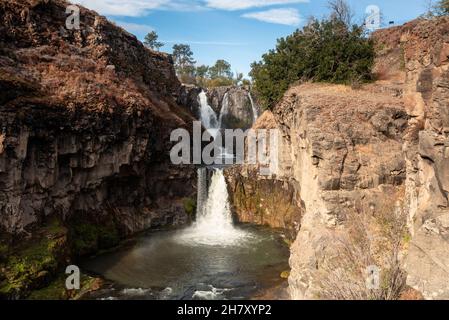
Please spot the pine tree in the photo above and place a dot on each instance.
(151, 41)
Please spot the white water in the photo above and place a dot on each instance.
(214, 225)
(224, 109)
(253, 106)
(202, 191)
(208, 116)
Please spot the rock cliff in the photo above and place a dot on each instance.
(236, 106)
(422, 46)
(336, 167)
(357, 158)
(85, 120)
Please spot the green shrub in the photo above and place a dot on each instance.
(323, 51)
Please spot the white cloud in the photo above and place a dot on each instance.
(246, 4)
(128, 8)
(136, 8)
(209, 43)
(287, 16)
(134, 27)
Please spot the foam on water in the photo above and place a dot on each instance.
(214, 225)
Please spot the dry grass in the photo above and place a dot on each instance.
(372, 237)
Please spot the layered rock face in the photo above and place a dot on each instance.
(341, 150)
(345, 150)
(235, 106)
(272, 200)
(423, 46)
(85, 120)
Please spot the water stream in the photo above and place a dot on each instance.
(254, 108)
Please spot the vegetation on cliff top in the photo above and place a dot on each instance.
(441, 8)
(220, 74)
(329, 50)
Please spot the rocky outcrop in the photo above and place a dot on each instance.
(188, 97)
(423, 46)
(338, 167)
(235, 105)
(85, 120)
(355, 150)
(333, 162)
(266, 200)
(270, 202)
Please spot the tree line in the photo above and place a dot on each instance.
(219, 74)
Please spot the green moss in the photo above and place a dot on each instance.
(108, 237)
(84, 238)
(31, 264)
(189, 206)
(407, 238)
(3, 250)
(56, 290)
(88, 238)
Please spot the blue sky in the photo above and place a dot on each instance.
(239, 31)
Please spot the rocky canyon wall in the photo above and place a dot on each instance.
(235, 105)
(340, 152)
(337, 139)
(423, 48)
(85, 120)
(376, 151)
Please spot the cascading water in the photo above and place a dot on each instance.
(253, 106)
(224, 109)
(208, 116)
(214, 225)
(202, 191)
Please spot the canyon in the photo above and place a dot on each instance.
(86, 117)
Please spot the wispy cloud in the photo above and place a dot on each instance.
(246, 4)
(208, 43)
(136, 8)
(286, 16)
(128, 8)
(134, 27)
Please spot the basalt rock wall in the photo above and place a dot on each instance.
(85, 122)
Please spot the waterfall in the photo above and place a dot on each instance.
(217, 212)
(202, 191)
(208, 116)
(253, 106)
(224, 109)
(214, 226)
